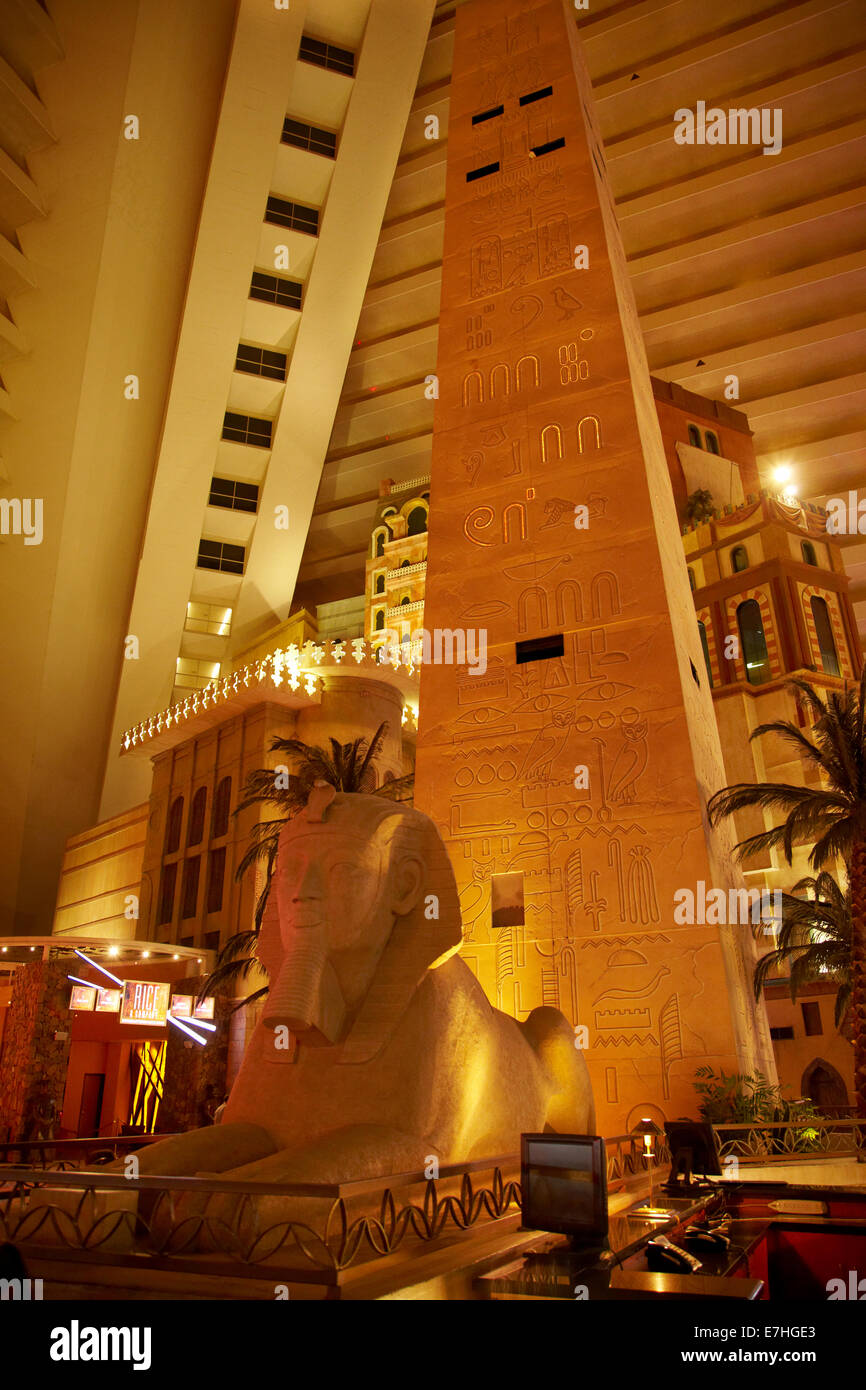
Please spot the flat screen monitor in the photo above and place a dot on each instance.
(564, 1183)
(693, 1149)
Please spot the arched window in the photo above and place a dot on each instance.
(380, 620)
(195, 830)
(712, 441)
(221, 807)
(404, 564)
(417, 523)
(808, 550)
(404, 599)
(753, 642)
(691, 579)
(694, 436)
(172, 834)
(826, 641)
(380, 544)
(739, 559)
(703, 636)
(380, 583)
(389, 511)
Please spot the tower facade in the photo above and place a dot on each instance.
(570, 778)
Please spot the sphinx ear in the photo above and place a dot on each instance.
(408, 885)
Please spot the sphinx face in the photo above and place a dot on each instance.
(332, 897)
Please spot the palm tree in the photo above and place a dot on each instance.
(832, 817)
(350, 767)
(814, 941)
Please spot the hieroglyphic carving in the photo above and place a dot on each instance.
(478, 335)
(596, 904)
(534, 591)
(614, 860)
(605, 583)
(572, 368)
(642, 903)
(555, 440)
(520, 509)
(506, 379)
(529, 307)
(467, 387)
(573, 887)
(472, 465)
(568, 589)
(480, 518)
(528, 357)
(596, 425)
(500, 381)
(631, 759)
(554, 246)
(566, 303)
(671, 1040)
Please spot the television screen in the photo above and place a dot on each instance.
(564, 1183)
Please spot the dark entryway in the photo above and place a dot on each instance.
(824, 1085)
(91, 1104)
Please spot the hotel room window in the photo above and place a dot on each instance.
(754, 643)
(826, 640)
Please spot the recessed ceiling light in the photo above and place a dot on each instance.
(783, 473)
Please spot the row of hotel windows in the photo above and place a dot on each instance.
(740, 559)
(191, 864)
(753, 643)
(266, 362)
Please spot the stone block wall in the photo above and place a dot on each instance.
(34, 1061)
(195, 1077)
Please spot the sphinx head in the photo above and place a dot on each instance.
(362, 903)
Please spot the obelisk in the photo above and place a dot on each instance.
(570, 778)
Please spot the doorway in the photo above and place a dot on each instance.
(823, 1084)
(90, 1112)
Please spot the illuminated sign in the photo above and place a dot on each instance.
(204, 1009)
(107, 1001)
(144, 1002)
(83, 997)
(181, 1006)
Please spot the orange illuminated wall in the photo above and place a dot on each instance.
(569, 789)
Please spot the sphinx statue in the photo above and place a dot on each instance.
(377, 1047)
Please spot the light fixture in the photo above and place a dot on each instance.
(202, 1042)
(33, 948)
(649, 1131)
(112, 950)
(175, 957)
(145, 955)
(5, 949)
(100, 968)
